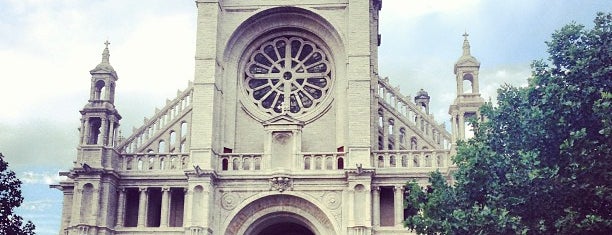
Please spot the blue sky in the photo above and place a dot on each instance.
(47, 48)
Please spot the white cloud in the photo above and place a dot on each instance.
(47, 178)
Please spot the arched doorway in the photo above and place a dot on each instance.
(280, 214)
(281, 224)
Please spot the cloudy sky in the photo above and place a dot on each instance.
(47, 48)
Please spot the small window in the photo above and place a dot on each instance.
(340, 163)
(183, 129)
(172, 138)
(307, 163)
(162, 147)
(235, 164)
(224, 164)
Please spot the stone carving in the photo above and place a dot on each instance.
(229, 201)
(281, 183)
(332, 200)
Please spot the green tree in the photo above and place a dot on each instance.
(541, 162)
(10, 198)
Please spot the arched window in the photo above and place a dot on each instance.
(173, 163)
(235, 164)
(128, 163)
(392, 161)
(318, 163)
(151, 163)
(94, 130)
(404, 161)
(390, 127)
(140, 164)
(381, 161)
(183, 129)
(161, 147)
(246, 164)
(402, 135)
(413, 143)
(340, 163)
(307, 163)
(416, 162)
(257, 164)
(100, 90)
(427, 161)
(329, 163)
(224, 164)
(468, 84)
(172, 138)
(162, 164)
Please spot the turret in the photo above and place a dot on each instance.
(468, 101)
(99, 118)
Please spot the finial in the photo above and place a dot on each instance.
(465, 35)
(105, 53)
(466, 44)
(105, 64)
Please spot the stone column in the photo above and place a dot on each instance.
(111, 134)
(461, 125)
(142, 207)
(164, 207)
(121, 208)
(187, 209)
(399, 205)
(102, 135)
(368, 201)
(351, 212)
(76, 205)
(82, 134)
(95, 206)
(376, 206)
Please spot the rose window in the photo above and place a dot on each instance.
(287, 75)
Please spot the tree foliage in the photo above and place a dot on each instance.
(541, 162)
(10, 198)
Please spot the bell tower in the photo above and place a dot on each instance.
(468, 100)
(99, 118)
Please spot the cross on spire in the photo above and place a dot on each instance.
(466, 44)
(106, 43)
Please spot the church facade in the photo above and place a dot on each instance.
(287, 128)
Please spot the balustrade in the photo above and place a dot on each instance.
(154, 161)
(240, 162)
(322, 161)
(411, 159)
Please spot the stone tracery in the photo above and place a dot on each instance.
(288, 75)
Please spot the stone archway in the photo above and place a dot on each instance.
(281, 223)
(280, 214)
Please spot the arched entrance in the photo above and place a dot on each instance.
(281, 224)
(280, 214)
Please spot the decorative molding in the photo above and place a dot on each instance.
(281, 183)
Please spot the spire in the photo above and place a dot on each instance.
(466, 44)
(105, 54)
(104, 65)
(466, 59)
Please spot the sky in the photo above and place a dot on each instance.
(47, 48)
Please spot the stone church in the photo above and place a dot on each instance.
(287, 128)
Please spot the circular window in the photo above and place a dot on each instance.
(287, 75)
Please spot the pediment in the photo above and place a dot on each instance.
(283, 120)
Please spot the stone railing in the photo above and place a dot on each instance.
(321, 161)
(240, 162)
(163, 118)
(412, 114)
(411, 159)
(154, 161)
